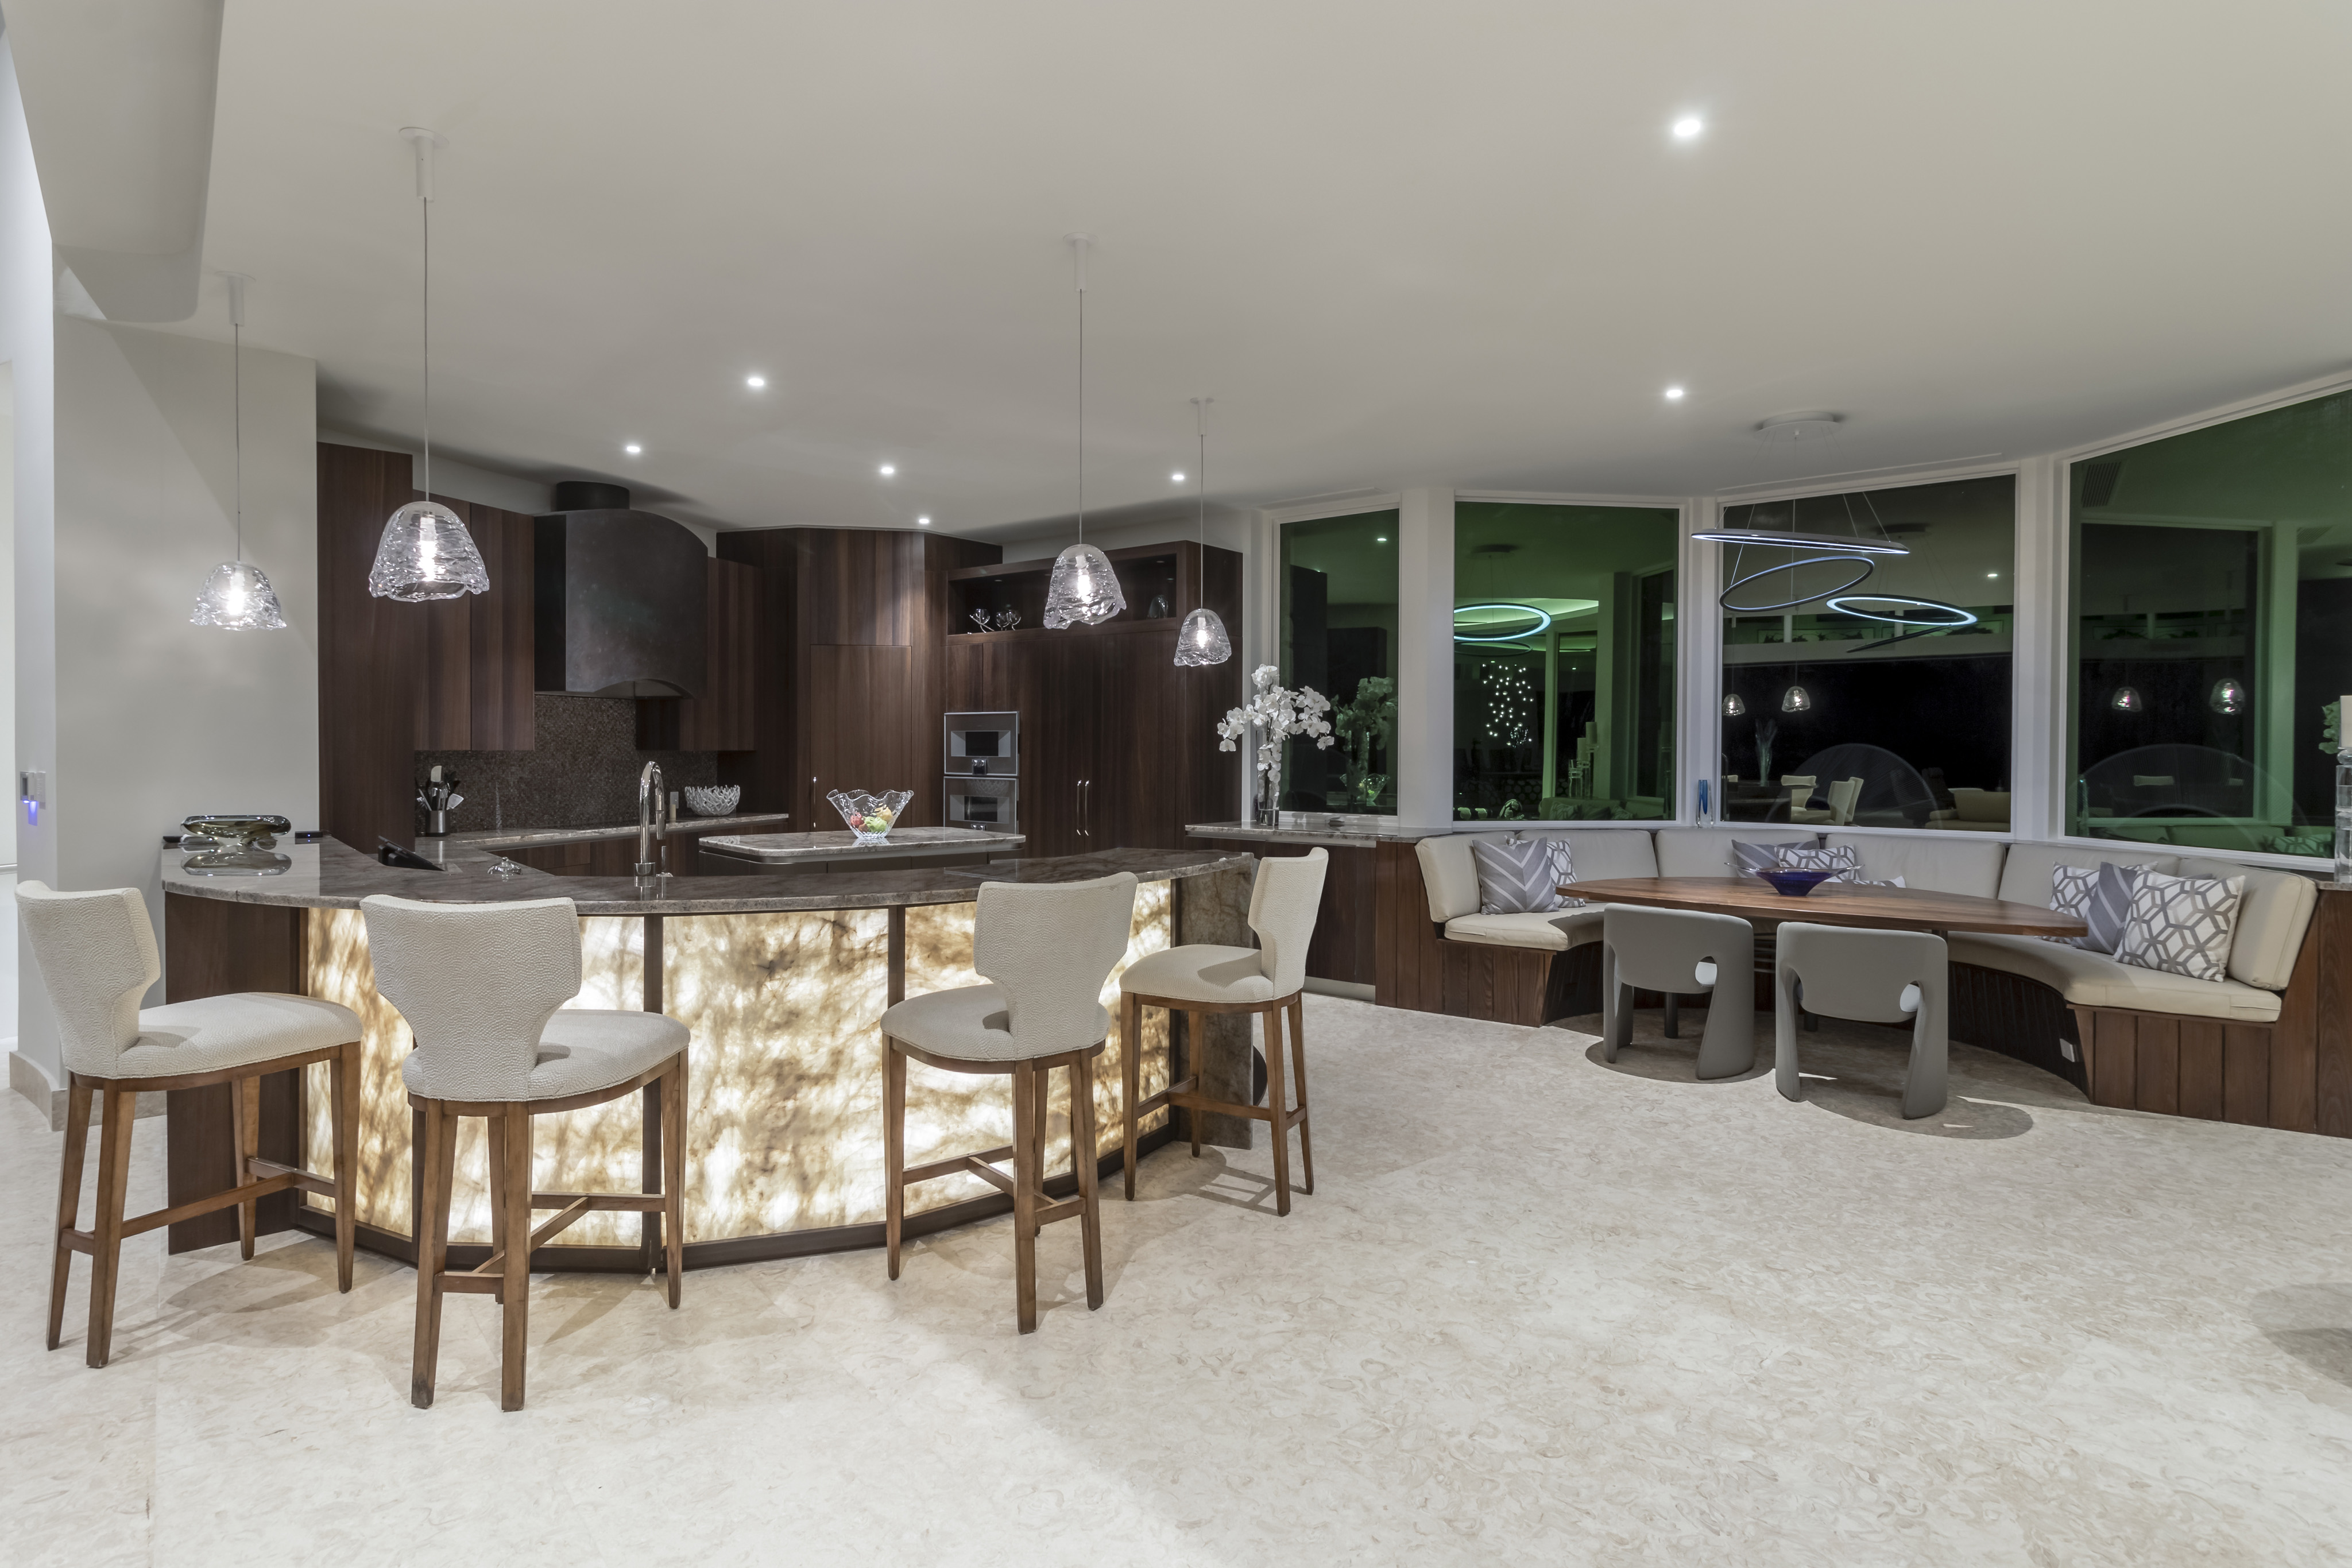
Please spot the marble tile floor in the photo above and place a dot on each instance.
(1540, 1311)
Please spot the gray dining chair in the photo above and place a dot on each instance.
(1870, 976)
(1681, 953)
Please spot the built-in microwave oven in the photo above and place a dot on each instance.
(983, 802)
(982, 745)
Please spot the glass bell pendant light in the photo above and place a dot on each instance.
(1796, 699)
(237, 595)
(1202, 639)
(1083, 591)
(425, 551)
(2228, 696)
(1734, 706)
(2126, 700)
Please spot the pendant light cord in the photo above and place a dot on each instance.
(236, 419)
(1082, 391)
(1201, 468)
(424, 202)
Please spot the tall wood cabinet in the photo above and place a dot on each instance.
(1119, 745)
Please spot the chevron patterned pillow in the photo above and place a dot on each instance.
(2100, 897)
(2182, 924)
(1522, 877)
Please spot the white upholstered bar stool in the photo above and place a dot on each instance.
(1045, 949)
(1268, 980)
(95, 953)
(1871, 977)
(483, 986)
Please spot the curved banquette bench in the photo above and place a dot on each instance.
(2242, 1048)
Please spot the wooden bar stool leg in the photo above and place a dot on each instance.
(1298, 1075)
(1084, 1160)
(69, 1201)
(1130, 1076)
(1025, 1175)
(113, 1182)
(245, 1133)
(1193, 1053)
(1044, 1082)
(674, 1177)
(495, 1183)
(438, 1160)
(1275, 1095)
(344, 1113)
(517, 1324)
(894, 1148)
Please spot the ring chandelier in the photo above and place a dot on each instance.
(1543, 623)
(1864, 562)
(1844, 603)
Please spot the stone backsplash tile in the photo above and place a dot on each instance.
(583, 772)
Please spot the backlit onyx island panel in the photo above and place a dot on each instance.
(783, 978)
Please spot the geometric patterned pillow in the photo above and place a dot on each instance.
(1841, 862)
(2099, 896)
(2182, 924)
(1522, 877)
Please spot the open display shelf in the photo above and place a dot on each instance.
(1145, 574)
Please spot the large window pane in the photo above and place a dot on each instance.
(1338, 636)
(2213, 632)
(1563, 661)
(1891, 708)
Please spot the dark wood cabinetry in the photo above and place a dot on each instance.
(849, 666)
(1118, 745)
(724, 717)
(396, 679)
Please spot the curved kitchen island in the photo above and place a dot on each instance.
(782, 976)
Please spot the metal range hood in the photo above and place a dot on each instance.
(620, 599)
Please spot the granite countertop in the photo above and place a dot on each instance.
(333, 875)
(518, 838)
(1305, 828)
(782, 849)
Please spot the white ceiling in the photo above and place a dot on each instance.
(1399, 243)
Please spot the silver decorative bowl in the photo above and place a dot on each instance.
(712, 799)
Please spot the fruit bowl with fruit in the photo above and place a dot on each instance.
(870, 817)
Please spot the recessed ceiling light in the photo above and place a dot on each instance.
(923, 522)
(1177, 477)
(1992, 574)
(1673, 394)
(1379, 539)
(755, 382)
(633, 449)
(888, 469)
(1688, 127)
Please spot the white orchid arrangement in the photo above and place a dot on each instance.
(1277, 714)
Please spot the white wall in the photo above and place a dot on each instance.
(28, 343)
(7, 629)
(125, 492)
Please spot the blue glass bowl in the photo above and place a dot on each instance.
(1796, 884)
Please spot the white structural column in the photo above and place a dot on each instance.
(1698, 656)
(1424, 761)
(2039, 745)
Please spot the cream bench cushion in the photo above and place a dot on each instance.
(1706, 851)
(1938, 862)
(1557, 932)
(2094, 980)
(1449, 875)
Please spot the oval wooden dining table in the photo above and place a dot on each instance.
(1833, 903)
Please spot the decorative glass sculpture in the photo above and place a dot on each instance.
(1796, 699)
(1201, 640)
(980, 619)
(426, 553)
(1083, 591)
(2126, 700)
(238, 596)
(712, 799)
(870, 817)
(2228, 696)
(1006, 619)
